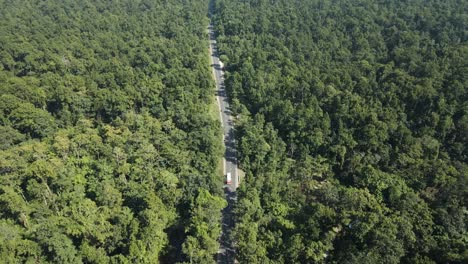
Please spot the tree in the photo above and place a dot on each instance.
(204, 228)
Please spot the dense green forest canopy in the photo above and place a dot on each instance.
(352, 129)
(108, 150)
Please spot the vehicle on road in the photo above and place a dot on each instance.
(228, 178)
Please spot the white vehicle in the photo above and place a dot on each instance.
(221, 65)
(228, 178)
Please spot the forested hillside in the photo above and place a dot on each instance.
(108, 150)
(352, 129)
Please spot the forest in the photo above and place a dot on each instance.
(352, 128)
(108, 150)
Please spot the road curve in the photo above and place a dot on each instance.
(226, 253)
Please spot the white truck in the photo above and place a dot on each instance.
(221, 65)
(228, 178)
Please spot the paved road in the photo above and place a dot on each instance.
(226, 252)
(230, 164)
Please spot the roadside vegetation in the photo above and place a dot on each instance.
(108, 150)
(352, 129)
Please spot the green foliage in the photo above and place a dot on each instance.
(10, 137)
(204, 229)
(351, 129)
(33, 121)
(106, 133)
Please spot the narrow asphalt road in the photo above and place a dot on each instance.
(226, 253)
(230, 164)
